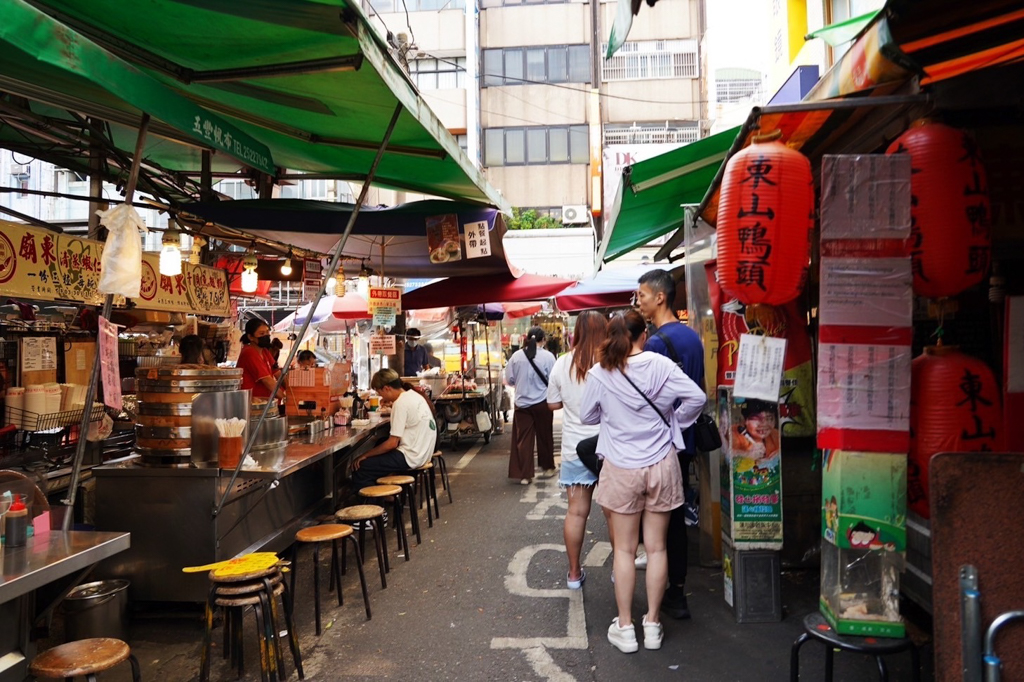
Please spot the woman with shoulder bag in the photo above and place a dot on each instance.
(528, 370)
(642, 402)
(565, 390)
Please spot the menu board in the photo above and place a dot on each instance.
(443, 241)
(44, 265)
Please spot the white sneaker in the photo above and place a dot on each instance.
(623, 639)
(641, 560)
(653, 634)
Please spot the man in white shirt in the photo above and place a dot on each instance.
(413, 433)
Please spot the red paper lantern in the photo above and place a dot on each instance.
(954, 407)
(951, 240)
(766, 214)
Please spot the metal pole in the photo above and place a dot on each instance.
(490, 380)
(331, 269)
(95, 185)
(94, 380)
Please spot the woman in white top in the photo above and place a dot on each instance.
(642, 401)
(565, 391)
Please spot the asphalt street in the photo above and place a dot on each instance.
(484, 598)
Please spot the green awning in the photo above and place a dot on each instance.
(843, 31)
(300, 85)
(651, 193)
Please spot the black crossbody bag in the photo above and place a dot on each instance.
(586, 449)
(706, 437)
(536, 368)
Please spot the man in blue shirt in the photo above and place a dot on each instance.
(417, 358)
(673, 339)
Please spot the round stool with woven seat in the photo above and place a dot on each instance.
(83, 658)
(362, 516)
(816, 627)
(236, 586)
(408, 486)
(376, 492)
(316, 535)
(442, 466)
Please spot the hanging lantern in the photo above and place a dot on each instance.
(170, 254)
(250, 280)
(954, 407)
(951, 240)
(766, 214)
(195, 253)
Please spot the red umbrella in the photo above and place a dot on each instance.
(458, 291)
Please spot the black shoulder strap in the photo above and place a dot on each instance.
(668, 346)
(649, 401)
(536, 368)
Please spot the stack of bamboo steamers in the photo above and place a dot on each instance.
(164, 427)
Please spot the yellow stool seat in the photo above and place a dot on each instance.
(396, 480)
(380, 491)
(324, 533)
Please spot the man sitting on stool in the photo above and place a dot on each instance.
(413, 433)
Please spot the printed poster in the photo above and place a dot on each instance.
(110, 372)
(39, 354)
(382, 345)
(478, 244)
(443, 242)
(759, 367)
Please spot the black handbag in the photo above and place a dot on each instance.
(706, 436)
(586, 450)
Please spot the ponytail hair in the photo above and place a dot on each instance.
(623, 332)
(532, 337)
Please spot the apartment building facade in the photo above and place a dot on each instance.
(526, 88)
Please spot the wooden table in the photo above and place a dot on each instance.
(46, 558)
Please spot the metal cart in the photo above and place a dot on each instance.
(457, 416)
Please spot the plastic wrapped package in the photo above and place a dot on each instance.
(122, 253)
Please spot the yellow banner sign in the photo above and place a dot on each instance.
(49, 266)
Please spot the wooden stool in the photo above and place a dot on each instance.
(316, 535)
(373, 515)
(442, 466)
(425, 479)
(83, 658)
(375, 492)
(407, 484)
(235, 588)
(816, 627)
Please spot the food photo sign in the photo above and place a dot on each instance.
(443, 241)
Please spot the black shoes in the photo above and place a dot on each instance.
(674, 604)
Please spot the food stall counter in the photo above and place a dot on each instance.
(302, 451)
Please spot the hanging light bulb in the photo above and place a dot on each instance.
(250, 280)
(332, 285)
(286, 269)
(195, 253)
(170, 255)
(364, 274)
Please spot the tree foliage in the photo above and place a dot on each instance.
(530, 220)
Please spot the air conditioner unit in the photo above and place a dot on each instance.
(575, 215)
(20, 169)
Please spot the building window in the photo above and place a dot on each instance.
(651, 132)
(737, 89)
(489, 4)
(649, 59)
(387, 6)
(549, 64)
(536, 145)
(438, 74)
(236, 189)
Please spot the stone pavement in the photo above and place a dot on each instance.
(484, 598)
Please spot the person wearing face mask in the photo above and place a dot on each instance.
(256, 361)
(417, 358)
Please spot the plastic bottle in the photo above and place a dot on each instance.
(16, 531)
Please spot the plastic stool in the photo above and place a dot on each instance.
(816, 627)
(316, 535)
(407, 484)
(376, 492)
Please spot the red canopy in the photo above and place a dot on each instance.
(456, 291)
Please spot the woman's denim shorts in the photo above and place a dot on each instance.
(573, 472)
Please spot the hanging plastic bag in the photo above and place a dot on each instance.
(122, 255)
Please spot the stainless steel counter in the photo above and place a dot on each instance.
(46, 558)
(170, 511)
(53, 555)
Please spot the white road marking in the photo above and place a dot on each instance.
(536, 648)
(466, 458)
(598, 554)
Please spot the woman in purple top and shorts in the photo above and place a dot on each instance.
(643, 402)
